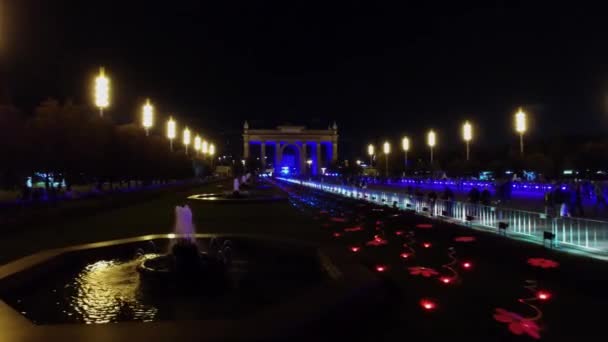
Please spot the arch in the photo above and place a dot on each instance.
(294, 164)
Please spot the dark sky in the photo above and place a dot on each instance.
(380, 70)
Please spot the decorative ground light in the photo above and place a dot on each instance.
(381, 268)
(428, 304)
(399, 232)
(518, 324)
(423, 271)
(464, 239)
(337, 234)
(355, 249)
(467, 265)
(404, 255)
(446, 280)
(543, 263)
(427, 245)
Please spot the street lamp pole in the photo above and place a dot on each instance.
(431, 140)
(387, 150)
(405, 144)
(467, 135)
(520, 127)
(171, 132)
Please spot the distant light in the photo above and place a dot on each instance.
(428, 304)
(431, 139)
(399, 232)
(355, 249)
(171, 129)
(102, 90)
(211, 149)
(467, 265)
(568, 172)
(404, 255)
(426, 245)
(197, 143)
(520, 121)
(186, 136)
(381, 268)
(370, 149)
(148, 115)
(467, 131)
(204, 147)
(386, 147)
(337, 234)
(358, 162)
(309, 162)
(445, 280)
(171, 236)
(543, 295)
(405, 144)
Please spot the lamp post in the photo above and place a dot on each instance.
(171, 132)
(387, 149)
(147, 118)
(211, 153)
(405, 144)
(102, 91)
(204, 147)
(520, 127)
(370, 151)
(197, 144)
(186, 138)
(431, 141)
(467, 135)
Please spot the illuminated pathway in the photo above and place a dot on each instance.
(572, 234)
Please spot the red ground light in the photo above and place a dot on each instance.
(426, 245)
(404, 255)
(381, 268)
(543, 295)
(337, 234)
(428, 304)
(467, 265)
(446, 280)
(355, 249)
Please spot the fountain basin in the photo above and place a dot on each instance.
(243, 197)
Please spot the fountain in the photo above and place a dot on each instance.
(185, 262)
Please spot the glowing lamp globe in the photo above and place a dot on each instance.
(370, 149)
(102, 90)
(405, 144)
(148, 115)
(197, 143)
(386, 148)
(186, 136)
(431, 139)
(171, 129)
(520, 122)
(467, 131)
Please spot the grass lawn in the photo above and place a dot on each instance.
(156, 216)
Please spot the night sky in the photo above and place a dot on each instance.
(379, 70)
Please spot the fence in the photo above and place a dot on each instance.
(591, 235)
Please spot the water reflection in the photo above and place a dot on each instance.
(108, 291)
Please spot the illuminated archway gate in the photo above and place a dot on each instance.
(308, 142)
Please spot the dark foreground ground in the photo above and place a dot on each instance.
(495, 299)
(465, 308)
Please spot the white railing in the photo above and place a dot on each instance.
(582, 233)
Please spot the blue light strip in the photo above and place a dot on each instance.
(576, 234)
